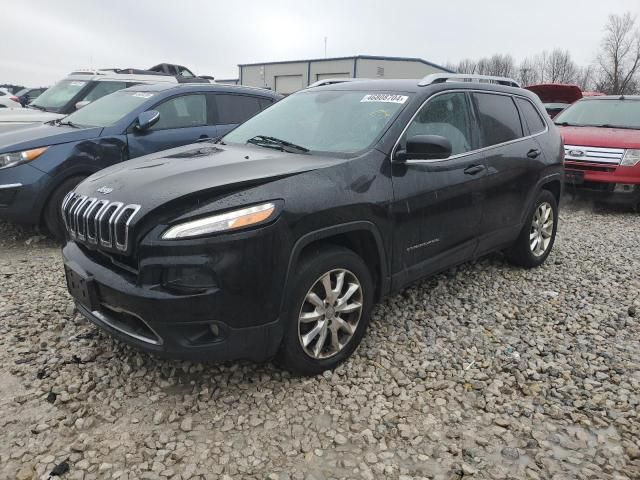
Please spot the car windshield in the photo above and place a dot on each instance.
(335, 122)
(598, 113)
(109, 109)
(56, 97)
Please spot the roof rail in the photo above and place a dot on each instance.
(465, 77)
(331, 81)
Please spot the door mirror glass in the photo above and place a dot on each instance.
(82, 104)
(425, 147)
(147, 119)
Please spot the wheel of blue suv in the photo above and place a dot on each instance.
(52, 215)
(329, 311)
(538, 234)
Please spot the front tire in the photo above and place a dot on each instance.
(52, 215)
(538, 234)
(328, 311)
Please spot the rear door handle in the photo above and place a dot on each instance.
(533, 153)
(474, 169)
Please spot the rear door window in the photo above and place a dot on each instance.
(232, 109)
(531, 116)
(182, 112)
(498, 118)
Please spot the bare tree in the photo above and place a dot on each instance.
(529, 73)
(584, 78)
(619, 58)
(467, 66)
(560, 68)
(497, 65)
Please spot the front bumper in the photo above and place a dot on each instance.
(610, 184)
(21, 188)
(610, 193)
(207, 325)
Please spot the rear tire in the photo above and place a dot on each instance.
(330, 322)
(538, 234)
(52, 215)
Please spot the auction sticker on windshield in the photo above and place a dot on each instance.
(384, 97)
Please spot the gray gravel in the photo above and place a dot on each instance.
(485, 371)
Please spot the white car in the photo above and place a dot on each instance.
(82, 87)
(8, 100)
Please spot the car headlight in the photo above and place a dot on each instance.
(630, 158)
(16, 158)
(234, 220)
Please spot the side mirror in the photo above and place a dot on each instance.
(82, 104)
(147, 119)
(425, 147)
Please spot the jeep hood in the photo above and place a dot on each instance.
(154, 180)
(601, 137)
(556, 93)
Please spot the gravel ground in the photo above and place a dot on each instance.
(486, 371)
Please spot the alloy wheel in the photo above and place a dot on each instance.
(330, 314)
(541, 229)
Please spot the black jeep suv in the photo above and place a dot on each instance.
(277, 240)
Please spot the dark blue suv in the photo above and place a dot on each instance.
(39, 165)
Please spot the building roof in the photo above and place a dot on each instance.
(358, 57)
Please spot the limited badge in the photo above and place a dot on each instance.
(384, 97)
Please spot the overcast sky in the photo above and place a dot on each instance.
(44, 40)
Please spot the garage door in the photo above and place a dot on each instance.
(322, 76)
(286, 84)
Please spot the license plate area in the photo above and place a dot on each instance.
(81, 287)
(574, 176)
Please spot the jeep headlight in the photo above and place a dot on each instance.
(16, 158)
(630, 158)
(233, 220)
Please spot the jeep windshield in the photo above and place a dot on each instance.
(55, 98)
(107, 110)
(609, 113)
(323, 122)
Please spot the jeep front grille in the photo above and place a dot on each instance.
(98, 221)
(606, 156)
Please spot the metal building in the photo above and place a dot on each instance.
(288, 77)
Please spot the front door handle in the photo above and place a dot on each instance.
(533, 153)
(474, 169)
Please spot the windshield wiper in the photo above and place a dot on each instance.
(37, 107)
(69, 123)
(277, 143)
(566, 124)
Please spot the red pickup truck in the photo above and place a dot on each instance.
(602, 147)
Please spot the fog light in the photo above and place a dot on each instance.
(188, 278)
(624, 187)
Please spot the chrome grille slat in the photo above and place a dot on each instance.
(108, 243)
(98, 221)
(98, 207)
(82, 217)
(602, 155)
(73, 227)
